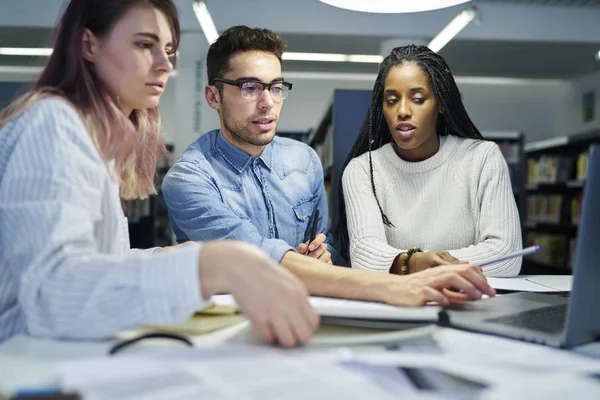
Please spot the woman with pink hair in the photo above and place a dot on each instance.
(86, 135)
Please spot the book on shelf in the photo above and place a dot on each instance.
(582, 165)
(576, 209)
(545, 208)
(510, 150)
(549, 169)
(553, 249)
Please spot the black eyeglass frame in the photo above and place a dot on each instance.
(240, 82)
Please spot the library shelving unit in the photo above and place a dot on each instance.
(148, 219)
(333, 138)
(512, 147)
(556, 173)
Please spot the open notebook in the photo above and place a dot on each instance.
(343, 322)
(361, 314)
(359, 310)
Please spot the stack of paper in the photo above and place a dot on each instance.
(216, 374)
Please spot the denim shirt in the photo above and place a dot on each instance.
(217, 191)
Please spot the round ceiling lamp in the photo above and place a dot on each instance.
(393, 6)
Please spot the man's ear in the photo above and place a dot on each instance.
(89, 46)
(213, 98)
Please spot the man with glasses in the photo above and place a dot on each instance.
(243, 182)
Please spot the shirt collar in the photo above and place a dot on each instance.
(239, 159)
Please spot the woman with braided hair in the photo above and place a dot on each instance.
(421, 186)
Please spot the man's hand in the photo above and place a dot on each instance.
(272, 298)
(443, 285)
(429, 259)
(316, 249)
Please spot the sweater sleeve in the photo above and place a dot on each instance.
(499, 229)
(369, 248)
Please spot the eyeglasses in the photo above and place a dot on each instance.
(251, 90)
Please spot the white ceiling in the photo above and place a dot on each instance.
(554, 39)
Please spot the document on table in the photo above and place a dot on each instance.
(218, 373)
(342, 308)
(495, 362)
(533, 283)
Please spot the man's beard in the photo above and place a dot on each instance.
(242, 134)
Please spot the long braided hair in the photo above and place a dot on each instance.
(374, 133)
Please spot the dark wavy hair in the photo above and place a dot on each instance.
(239, 39)
(374, 132)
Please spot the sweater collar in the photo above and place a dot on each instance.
(448, 145)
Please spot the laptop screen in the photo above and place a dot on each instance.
(583, 317)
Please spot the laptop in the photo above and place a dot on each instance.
(548, 319)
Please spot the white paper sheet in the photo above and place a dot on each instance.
(562, 283)
(518, 284)
(534, 283)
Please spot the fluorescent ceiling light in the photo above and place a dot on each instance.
(452, 29)
(365, 58)
(205, 20)
(25, 51)
(461, 80)
(328, 57)
(393, 6)
(331, 57)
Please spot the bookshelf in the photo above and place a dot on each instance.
(556, 171)
(333, 138)
(148, 219)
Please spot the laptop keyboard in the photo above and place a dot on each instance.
(547, 319)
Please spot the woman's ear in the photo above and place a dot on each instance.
(89, 46)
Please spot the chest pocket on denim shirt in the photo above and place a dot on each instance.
(233, 196)
(303, 210)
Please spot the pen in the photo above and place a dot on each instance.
(524, 252)
(313, 231)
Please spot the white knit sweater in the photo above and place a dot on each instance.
(460, 200)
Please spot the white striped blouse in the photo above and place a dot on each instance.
(66, 269)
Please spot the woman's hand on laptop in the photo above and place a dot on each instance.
(444, 284)
(273, 299)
